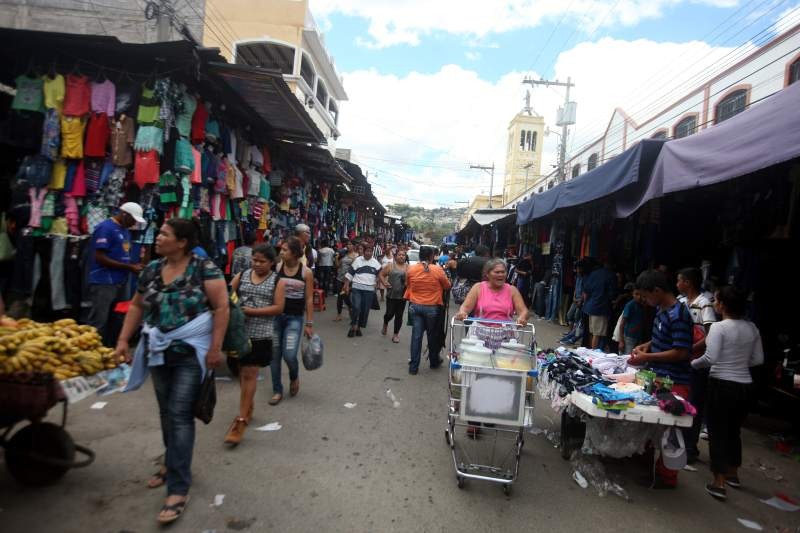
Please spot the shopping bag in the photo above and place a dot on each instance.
(236, 341)
(207, 398)
(312, 353)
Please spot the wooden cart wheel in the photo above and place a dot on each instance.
(37, 454)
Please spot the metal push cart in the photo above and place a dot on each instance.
(491, 398)
(41, 452)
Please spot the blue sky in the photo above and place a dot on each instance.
(434, 83)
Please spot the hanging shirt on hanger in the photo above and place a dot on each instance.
(29, 95)
(77, 97)
(104, 97)
(122, 138)
(72, 128)
(54, 90)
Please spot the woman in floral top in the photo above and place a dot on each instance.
(183, 300)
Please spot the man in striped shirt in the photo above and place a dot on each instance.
(669, 351)
(360, 283)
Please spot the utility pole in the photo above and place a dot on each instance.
(490, 171)
(565, 120)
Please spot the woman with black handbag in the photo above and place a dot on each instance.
(183, 300)
(262, 297)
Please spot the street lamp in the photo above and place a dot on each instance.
(527, 168)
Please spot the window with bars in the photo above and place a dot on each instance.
(307, 71)
(592, 162)
(731, 105)
(686, 127)
(794, 72)
(322, 93)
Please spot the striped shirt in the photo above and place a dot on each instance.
(672, 329)
(363, 273)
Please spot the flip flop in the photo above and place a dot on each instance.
(158, 480)
(176, 508)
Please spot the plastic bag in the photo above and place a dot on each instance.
(312, 353)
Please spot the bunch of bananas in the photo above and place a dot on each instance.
(64, 348)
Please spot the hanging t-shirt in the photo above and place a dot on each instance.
(72, 128)
(184, 120)
(122, 138)
(254, 182)
(54, 89)
(104, 97)
(149, 108)
(97, 134)
(167, 188)
(146, 168)
(58, 175)
(199, 122)
(29, 95)
(77, 96)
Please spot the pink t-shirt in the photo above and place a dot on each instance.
(494, 305)
(104, 97)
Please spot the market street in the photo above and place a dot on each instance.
(377, 466)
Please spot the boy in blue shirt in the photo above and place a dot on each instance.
(669, 351)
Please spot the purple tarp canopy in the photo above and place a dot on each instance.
(766, 134)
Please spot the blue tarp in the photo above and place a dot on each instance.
(631, 166)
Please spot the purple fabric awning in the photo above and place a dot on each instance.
(766, 134)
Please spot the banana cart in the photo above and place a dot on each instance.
(40, 453)
(492, 366)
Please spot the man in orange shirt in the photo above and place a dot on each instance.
(425, 283)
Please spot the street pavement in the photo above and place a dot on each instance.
(381, 465)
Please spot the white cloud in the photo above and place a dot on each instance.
(453, 117)
(472, 56)
(787, 20)
(393, 22)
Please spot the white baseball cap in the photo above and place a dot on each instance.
(134, 210)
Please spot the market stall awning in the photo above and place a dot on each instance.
(314, 159)
(268, 95)
(484, 217)
(766, 134)
(631, 166)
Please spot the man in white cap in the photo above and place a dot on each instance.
(303, 232)
(111, 265)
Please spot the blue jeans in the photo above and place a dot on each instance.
(552, 301)
(423, 319)
(360, 305)
(286, 344)
(177, 384)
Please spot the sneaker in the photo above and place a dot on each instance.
(733, 482)
(717, 492)
(413, 372)
(236, 431)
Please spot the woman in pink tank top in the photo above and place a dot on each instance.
(493, 298)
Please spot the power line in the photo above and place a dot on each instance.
(652, 106)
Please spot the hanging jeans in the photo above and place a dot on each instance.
(551, 312)
(177, 384)
(57, 262)
(286, 341)
(423, 318)
(360, 305)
